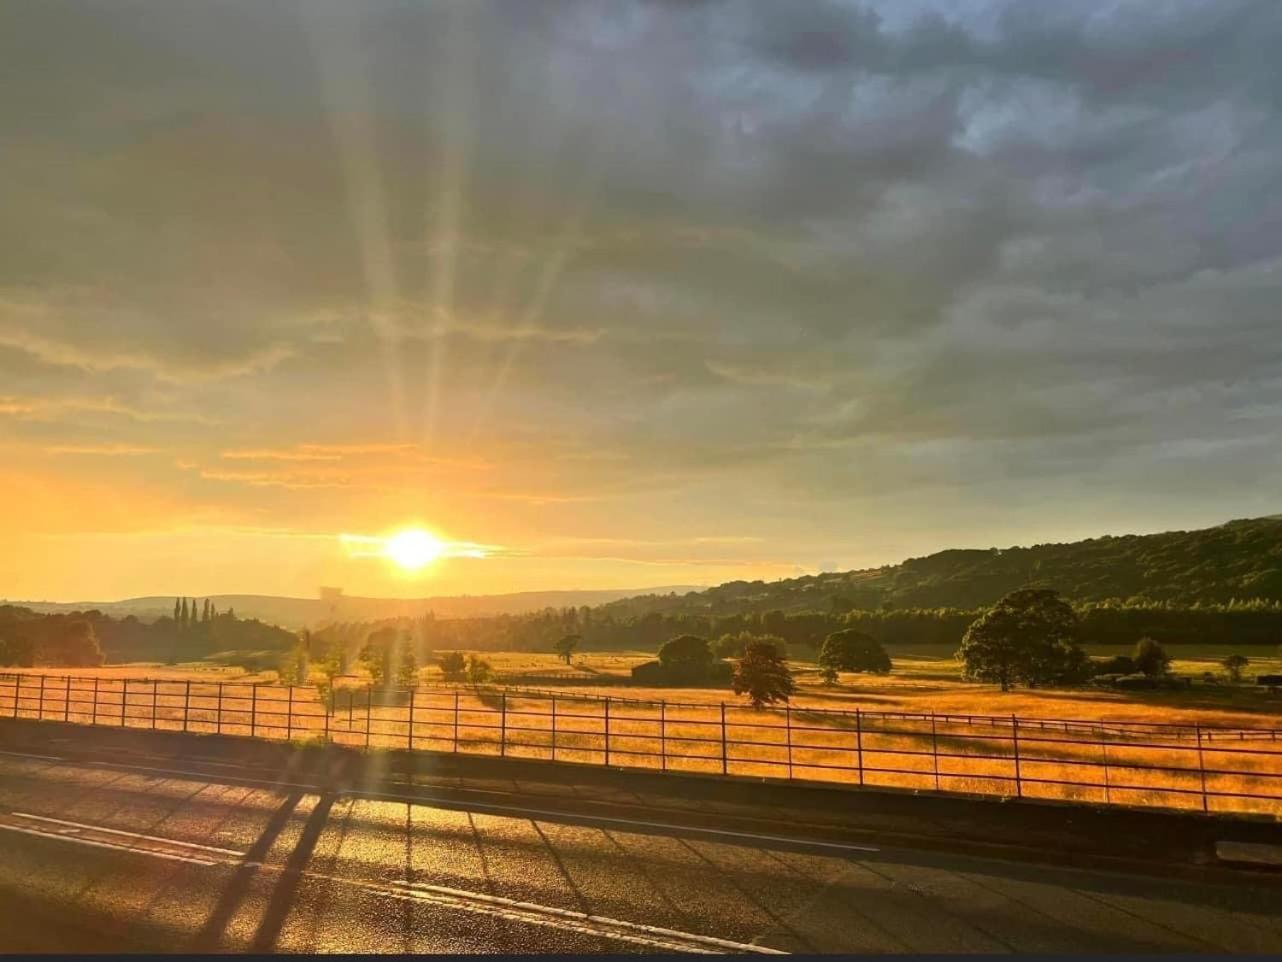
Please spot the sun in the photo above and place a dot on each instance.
(413, 548)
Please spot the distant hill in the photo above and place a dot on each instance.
(1239, 560)
(304, 612)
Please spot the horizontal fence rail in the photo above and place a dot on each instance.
(1166, 766)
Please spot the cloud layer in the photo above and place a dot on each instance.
(848, 280)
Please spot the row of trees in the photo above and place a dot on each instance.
(33, 637)
(28, 639)
(614, 627)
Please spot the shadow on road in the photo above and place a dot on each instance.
(210, 936)
(287, 884)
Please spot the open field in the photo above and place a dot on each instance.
(1069, 756)
(925, 679)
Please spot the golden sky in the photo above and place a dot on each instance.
(635, 294)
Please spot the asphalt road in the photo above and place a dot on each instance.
(122, 858)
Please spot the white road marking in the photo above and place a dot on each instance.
(58, 836)
(43, 758)
(77, 826)
(596, 924)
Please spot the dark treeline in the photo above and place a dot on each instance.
(1236, 623)
(30, 638)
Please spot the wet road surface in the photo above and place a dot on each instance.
(118, 859)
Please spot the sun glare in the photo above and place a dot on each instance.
(413, 549)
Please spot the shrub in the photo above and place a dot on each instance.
(1117, 665)
(1151, 658)
(453, 665)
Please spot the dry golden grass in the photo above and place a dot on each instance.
(683, 732)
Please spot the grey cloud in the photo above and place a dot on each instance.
(1039, 237)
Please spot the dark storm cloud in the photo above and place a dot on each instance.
(800, 238)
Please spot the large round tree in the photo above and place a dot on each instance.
(1029, 637)
(852, 650)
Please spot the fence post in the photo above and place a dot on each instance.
(289, 713)
(411, 732)
(124, 698)
(663, 735)
(253, 709)
(554, 728)
(1201, 767)
(724, 761)
(369, 698)
(218, 712)
(788, 722)
(1019, 783)
(40, 711)
(456, 721)
(1104, 752)
(607, 729)
(186, 703)
(95, 700)
(859, 744)
(66, 698)
(503, 724)
(934, 749)
(327, 704)
(155, 685)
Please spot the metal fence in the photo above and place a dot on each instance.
(1204, 769)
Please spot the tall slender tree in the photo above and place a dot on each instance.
(175, 611)
(182, 616)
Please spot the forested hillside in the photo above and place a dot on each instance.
(1240, 560)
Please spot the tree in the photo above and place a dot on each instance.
(407, 668)
(204, 614)
(19, 650)
(182, 615)
(73, 644)
(1234, 664)
(686, 658)
(852, 650)
(565, 647)
(453, 665)
(1151, 658)
(294, 667)
(378, 654)
(1030, 636)
(478, 670)
(762, 674)
(177, 615)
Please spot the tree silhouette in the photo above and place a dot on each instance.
(566, 646)
(453, 665)
(1030, 636)
(1151, 658)
(762, 674)
(852, 650)
(1234, 664)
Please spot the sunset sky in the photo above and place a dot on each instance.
(629, 294)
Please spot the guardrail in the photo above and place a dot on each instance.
(940, 753)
